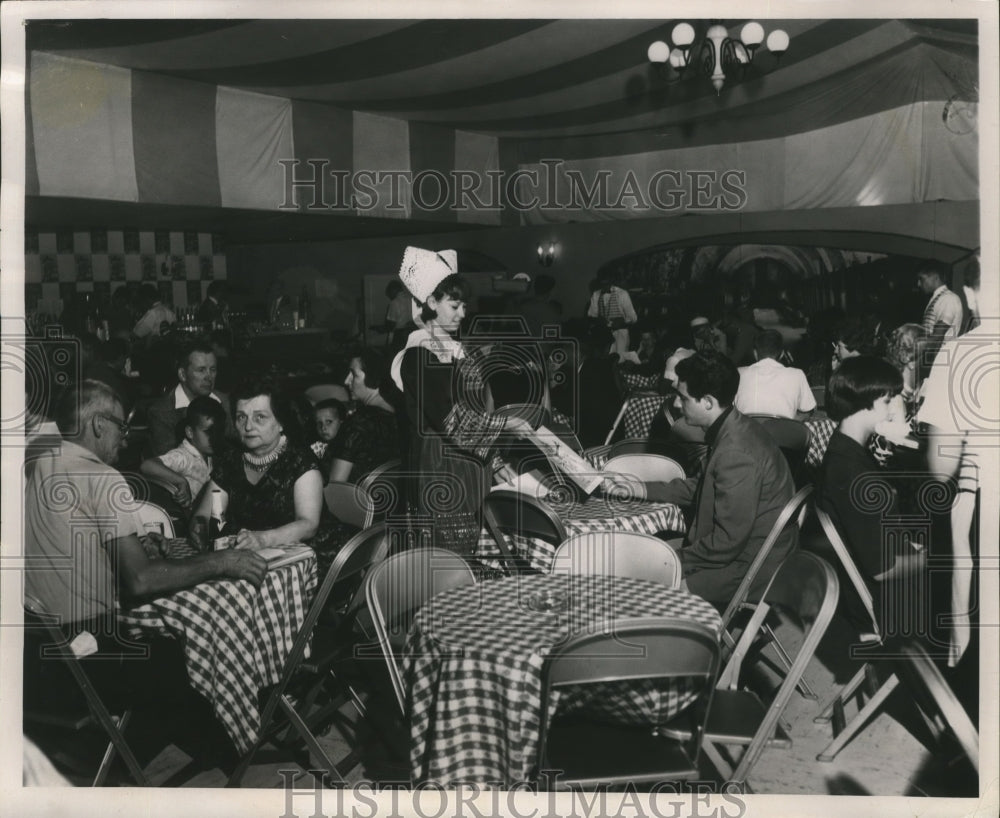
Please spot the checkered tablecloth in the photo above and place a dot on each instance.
(599, 514)
(473, 671)
(820, 432)
(639, 414)
(236, 637)
(635, 382)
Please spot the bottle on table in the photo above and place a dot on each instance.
(217, 522)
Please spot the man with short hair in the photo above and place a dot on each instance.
(768, 387)
(82, 524)
(196, 371)
(943, 314)
(743, 488)
(214, 308)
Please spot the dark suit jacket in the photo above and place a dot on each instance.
(162, 418)
(745, 484)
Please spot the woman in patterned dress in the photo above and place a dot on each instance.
(274, 486)
(450, 456)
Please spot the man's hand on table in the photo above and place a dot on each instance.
(243, 564)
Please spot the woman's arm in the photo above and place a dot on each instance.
(308, 497)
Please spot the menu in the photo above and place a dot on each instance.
(565, 460)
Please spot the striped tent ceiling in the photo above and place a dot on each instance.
(525, 79)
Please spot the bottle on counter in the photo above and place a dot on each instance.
(304, 309)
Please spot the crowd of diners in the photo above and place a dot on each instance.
(427, 397)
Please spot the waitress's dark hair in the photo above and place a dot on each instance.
(281, 406)
(452, 286)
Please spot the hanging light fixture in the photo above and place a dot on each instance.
(546, 253)
(718, 53)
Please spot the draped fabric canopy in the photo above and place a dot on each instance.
(402, 120)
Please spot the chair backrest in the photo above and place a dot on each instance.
(640, 648)
(792, 437)
(155, 519)
(620, 554)
(631, 445)
(793, 510)
(924, 680)
(510, 512)
(850, 568)
(533, 413)
(397, 587)
(350, 504)
(384, 485)
(357, 558)
(645, 467)
(326, 391)
(806, 588)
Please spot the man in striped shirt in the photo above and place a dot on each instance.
(943, 313)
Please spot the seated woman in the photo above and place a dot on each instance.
(369, 437)
(275, 488)
(856, 495)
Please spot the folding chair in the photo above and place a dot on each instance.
(806, 588)
(534, 414)
(155, 519)
(921, 676)
(794, 510)
(508, 512)
(326, 391)
(619, 554)
(350, 503)
(384, 485)
(56, 648)
(397, 587)
(644, 467)
(631, 445)
(356, 557)
(590, 753)
(792, 437)
(865, 682)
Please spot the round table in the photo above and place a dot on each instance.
(236, 637)
(599, 514)
(473, 670)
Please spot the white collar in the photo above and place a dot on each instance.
(182, 401)
(436, 341)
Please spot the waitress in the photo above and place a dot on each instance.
(450, 455)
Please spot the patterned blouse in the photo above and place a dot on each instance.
(368, 438)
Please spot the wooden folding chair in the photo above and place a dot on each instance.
(865, 682)
(350, 504)
(507, 512)
(806, 588)
(590, 753)
(397, 587)
(356, 557)
(619, 554)
(55, 647)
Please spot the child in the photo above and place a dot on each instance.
(188, 467)
(329, 415)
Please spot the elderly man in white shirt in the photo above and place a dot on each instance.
(768, 387)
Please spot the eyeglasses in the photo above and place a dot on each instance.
(122, 425)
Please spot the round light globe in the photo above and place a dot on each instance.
(752, 34)
(658, 51)
(777, 42)
(682, 35)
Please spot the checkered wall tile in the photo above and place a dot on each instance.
(180, 263)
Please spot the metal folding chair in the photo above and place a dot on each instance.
(792, 437)
(508, 512)
(350, 503)
(38, 620)
(384, 485)
(631, 445)
(355, 558)
(644, 467)
(620, 554)
(806, 588)
(397, 587)
(589, 753)
(865, 682)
